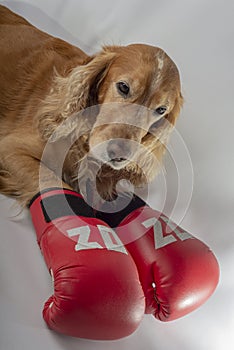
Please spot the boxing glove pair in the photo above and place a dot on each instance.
(109, 269)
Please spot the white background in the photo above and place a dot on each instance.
(198, 35)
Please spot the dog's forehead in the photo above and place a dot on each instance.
(162, 72)
(147, 69)
(147, 54)
(149, 59)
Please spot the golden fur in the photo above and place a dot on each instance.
(54, 97)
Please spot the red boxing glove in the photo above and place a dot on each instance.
(97, 293)
(178, 272)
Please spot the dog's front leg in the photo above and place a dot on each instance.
(22, 176)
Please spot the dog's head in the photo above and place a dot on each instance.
(138, 96)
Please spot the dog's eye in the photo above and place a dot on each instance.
(160, 110)
(123, 88)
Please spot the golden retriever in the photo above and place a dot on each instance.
(62, 112)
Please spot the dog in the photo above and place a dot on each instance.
(66, 116)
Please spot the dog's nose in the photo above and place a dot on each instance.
(118, 150)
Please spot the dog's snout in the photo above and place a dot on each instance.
(118, 150)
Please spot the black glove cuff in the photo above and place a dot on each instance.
(66, 203)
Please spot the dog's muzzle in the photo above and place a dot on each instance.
(119, 152)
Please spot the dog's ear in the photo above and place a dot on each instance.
(173, 115)
(161, 130)
(72, 94)
(158, 136)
